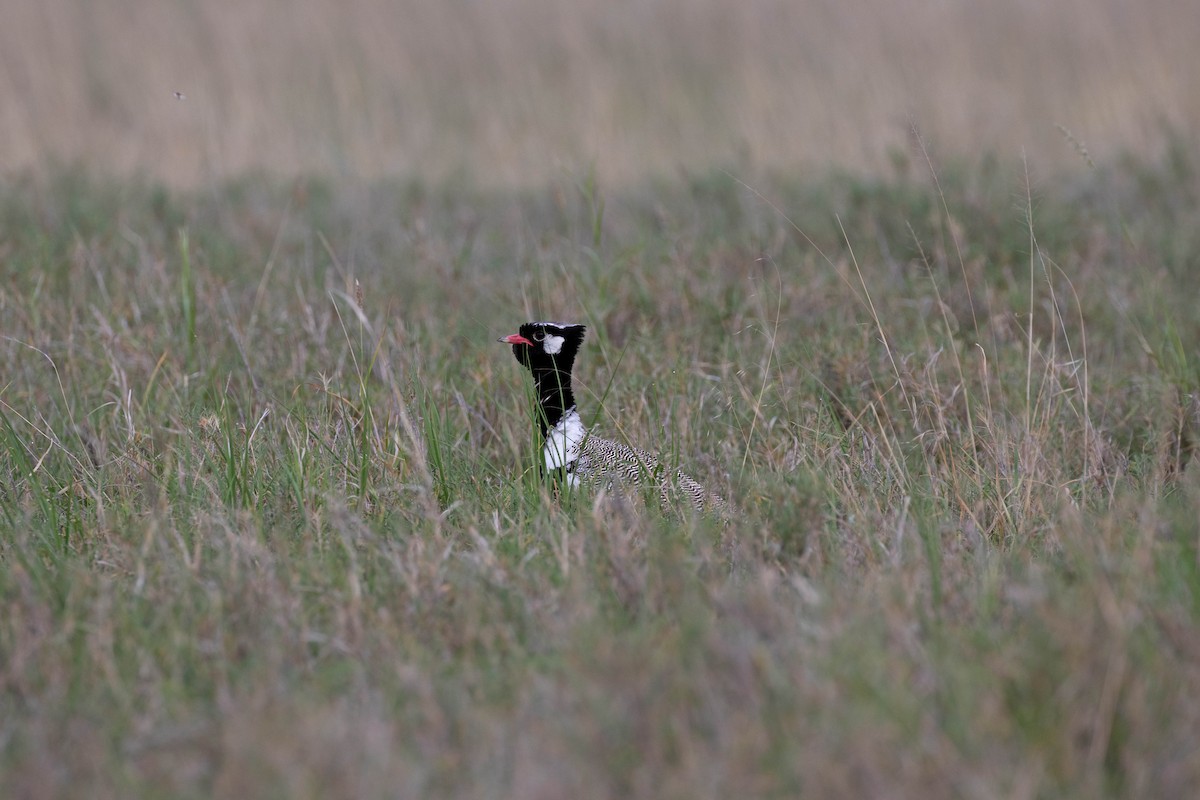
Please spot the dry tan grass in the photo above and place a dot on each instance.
(267, 522)
(516, 91)
(264, 530)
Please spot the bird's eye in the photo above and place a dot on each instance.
(540, 336)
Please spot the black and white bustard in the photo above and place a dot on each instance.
(548, 350)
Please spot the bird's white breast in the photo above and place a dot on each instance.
(564, 441)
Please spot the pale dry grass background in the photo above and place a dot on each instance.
(518, 91)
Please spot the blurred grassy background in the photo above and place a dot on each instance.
(513, 92)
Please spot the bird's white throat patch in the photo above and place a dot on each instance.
(553, 344)
(564, 441)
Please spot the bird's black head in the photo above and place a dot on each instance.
(546, 346)
(548, 350)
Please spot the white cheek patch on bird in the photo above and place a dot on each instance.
(553, 344)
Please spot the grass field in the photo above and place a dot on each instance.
(913, 285)
(269, 527)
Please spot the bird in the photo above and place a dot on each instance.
(571, 454)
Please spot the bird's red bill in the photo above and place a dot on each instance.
(515, 338)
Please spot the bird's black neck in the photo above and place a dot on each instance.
(555, 397)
